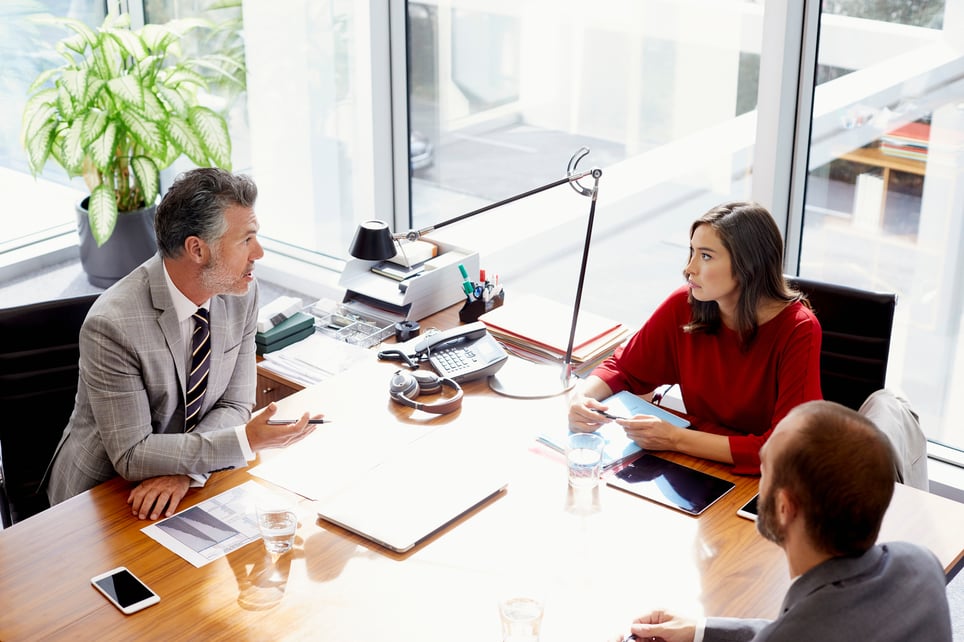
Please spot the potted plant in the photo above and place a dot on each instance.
(124, 106)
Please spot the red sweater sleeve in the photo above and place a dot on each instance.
(650, 358)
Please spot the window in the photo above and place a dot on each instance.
(884, 197)
(305, 124)
(662, 94)
(25, 50)
(340, 122)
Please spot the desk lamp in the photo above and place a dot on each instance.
(373, 241)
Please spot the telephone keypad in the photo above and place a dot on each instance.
(454, 361)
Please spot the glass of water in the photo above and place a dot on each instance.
(584, 452)
(521, 619)
(277, 525)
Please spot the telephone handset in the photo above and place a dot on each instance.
(465, 353)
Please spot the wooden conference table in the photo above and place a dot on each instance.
(598, 558)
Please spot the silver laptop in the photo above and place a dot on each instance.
(415, 492)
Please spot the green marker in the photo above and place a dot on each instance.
(466, 284)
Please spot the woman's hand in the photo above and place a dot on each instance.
(585, 414)
(584, 407)
(651, 433)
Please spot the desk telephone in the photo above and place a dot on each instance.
(464, 353)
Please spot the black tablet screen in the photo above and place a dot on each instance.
(671, 484)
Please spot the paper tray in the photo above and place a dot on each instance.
(340, 322)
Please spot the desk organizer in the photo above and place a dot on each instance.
(472, 310)
(340, 322)
(433, 290)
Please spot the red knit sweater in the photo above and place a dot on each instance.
(728, 391)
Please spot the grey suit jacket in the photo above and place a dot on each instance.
(128, 416)
(893, 592)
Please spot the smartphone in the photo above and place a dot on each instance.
(124, 590)
(749, 510)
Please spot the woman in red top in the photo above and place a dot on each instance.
(742, 346)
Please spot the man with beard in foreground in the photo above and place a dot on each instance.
(827, 477)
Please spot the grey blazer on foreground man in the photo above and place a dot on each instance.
(893, 592)
(128, 418)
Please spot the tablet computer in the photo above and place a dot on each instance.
(670, 484)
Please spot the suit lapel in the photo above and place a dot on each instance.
(167, 318)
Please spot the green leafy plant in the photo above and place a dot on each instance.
(124, 106)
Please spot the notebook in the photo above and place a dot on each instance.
(546, 323)
(618, 447)
(415, 493)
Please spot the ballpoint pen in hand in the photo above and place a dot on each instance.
(285, 422)
(605, 414)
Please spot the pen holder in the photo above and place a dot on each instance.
(475, 308)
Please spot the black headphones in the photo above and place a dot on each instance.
(405, 386)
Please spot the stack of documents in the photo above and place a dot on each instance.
(315, 359)
(538, 329)
(910, 141)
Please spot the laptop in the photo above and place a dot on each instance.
(416, 492)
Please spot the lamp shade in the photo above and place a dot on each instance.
(373, 242)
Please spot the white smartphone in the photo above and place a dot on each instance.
(749, 509)
(124, 590)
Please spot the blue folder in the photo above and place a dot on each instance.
(619, 447)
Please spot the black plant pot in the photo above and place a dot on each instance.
(132, 243)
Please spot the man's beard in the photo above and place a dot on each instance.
(216, 278)
(766, 521)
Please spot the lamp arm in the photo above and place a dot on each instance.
(567, 362)
(572, 177)
(413, 235)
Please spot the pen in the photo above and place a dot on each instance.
(605, 414)
(285, 422)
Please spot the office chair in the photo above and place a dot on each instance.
(38, 382)
(857, 325)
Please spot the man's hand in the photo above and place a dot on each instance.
(261, 435)
(149, 498)
(662, 625)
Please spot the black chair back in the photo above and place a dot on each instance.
(38, 383)
(857, 325)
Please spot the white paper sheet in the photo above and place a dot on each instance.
(215, 527)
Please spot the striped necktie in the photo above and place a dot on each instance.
(197, 379)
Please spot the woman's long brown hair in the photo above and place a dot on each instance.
(751, 236)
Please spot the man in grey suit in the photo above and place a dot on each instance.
(827, 477)
(130, 414)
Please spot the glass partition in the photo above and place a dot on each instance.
(26, 49)
(663, 94)
(885, 196)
